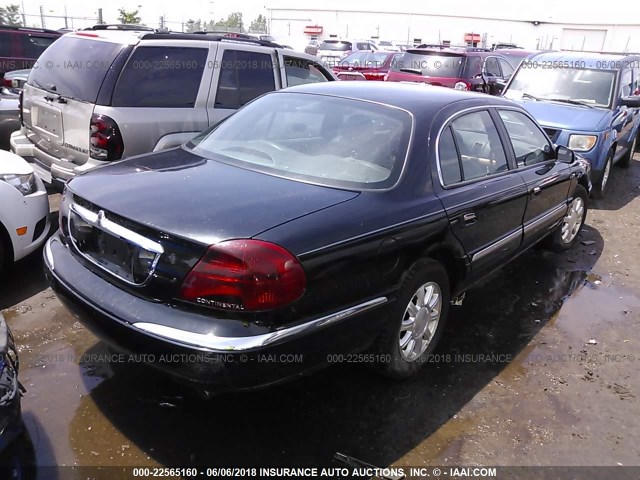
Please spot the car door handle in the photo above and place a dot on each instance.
(469, 218)
(536, 191)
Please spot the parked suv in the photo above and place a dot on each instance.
(331, 51)
(462, 68)
(20, 47)
(588, 102)
(100, 96)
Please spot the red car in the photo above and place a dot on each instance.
(366, 65)
(462, 68)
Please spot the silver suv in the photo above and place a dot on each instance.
(102, 95)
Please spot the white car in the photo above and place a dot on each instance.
(24, 209)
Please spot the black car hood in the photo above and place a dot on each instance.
(199, 199)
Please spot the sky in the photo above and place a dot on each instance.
(178, 11)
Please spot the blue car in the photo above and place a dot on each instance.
(588, 102)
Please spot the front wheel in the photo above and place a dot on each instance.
(600, 186)
(566, 235)
(416, 320)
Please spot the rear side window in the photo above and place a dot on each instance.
(74, 67)
(243, 77)
(32, 46)
(300, 71)
(161, 77)
(449, 161)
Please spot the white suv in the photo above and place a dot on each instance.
(102, 95)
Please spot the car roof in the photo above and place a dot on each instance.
(28, 30)
(590, 59)
(420, 99)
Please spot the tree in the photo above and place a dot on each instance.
(129, 17)
(194, 26)
(10, 15)
(233, 22)
(259, 25)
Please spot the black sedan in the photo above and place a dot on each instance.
(318, 224)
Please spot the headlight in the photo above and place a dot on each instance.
(26, 184)
(582, 143)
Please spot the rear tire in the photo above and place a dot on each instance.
(600, 186)
(626, 160)
(415, 321)
(566, 235)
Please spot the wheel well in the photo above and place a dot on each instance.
(6, 242)
(453, 266)
(584, 182)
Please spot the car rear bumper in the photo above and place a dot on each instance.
(50, 169)
(214, 353)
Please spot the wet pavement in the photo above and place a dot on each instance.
(539, 366)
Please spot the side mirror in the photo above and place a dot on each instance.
(632, 102)
(565, 155)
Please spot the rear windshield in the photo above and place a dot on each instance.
(330, 141)
(336, 46)
(431, 64)
(74, 67)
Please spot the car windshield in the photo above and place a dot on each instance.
(432, 64)
(336, 46)
(579, 86)
(337, 142)
(365, 59)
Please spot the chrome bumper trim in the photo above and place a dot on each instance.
(240, 344)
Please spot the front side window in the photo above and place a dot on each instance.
(491, 66)
(337, 142)
(478, 145)
(529, 143)
(161, 77)
(507, 69)
(244, 76)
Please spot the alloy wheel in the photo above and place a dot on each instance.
(572, 220)
(420, 321)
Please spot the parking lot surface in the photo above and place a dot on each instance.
(539, 366)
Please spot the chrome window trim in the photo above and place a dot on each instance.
(242, 344)
(496, 245)
(101, 222)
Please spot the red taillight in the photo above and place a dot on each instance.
(8, 83)
(375, 75)
(20, 100)
(245, 275)
(105, 140)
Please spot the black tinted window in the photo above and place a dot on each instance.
(33, 45)
(243, 77)
(76, 67)
(491, 66)
(449, 162)
(161, 77)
